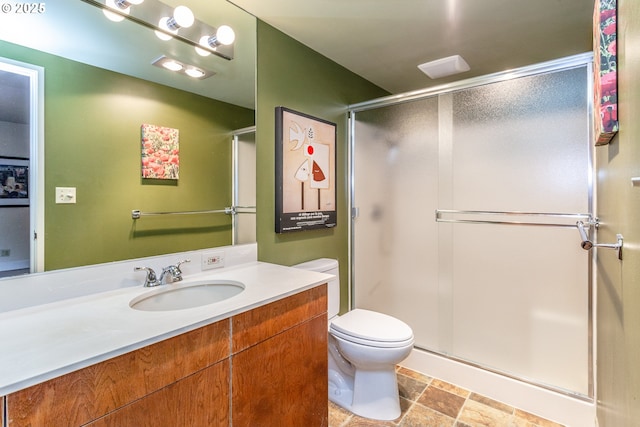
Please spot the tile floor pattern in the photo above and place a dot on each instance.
(429, 402)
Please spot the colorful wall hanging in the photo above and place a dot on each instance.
(605, 70)
(160, 152)
(305, 172)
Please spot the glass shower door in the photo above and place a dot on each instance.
(499, 280)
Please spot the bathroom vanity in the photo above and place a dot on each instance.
(258, 358)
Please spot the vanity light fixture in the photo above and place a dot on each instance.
(224, 36)
(169, 23)
(122, 6)
(182, 18)
(182, 67)
(445, 67)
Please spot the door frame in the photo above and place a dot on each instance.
(35, 74)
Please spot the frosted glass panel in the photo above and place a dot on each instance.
(521, 145)
(245, 223)
(520, 293)
(396, 185)
(510, 298)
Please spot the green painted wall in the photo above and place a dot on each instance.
(92, 142)
(294, 76)
(618, 282)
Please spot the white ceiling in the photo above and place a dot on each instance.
(385, 40)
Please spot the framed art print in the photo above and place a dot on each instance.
(305, 172)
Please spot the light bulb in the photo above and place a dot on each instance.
(163, 24)
(204, 41)
(194, 72)
(172, 65)
(114, 16)
(225, 35)
(182, 18)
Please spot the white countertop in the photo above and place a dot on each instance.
(49, 340)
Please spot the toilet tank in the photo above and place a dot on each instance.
(327, 266)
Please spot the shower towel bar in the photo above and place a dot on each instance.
(512, 214)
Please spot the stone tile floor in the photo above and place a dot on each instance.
(427, 402)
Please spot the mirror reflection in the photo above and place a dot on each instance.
(99, 88)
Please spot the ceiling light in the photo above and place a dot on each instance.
(168, 22)
(182, 18)
(194, 72)
(444, 67)
(182, 67)
(224, 36)
(172, 65)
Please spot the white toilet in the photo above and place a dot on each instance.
(364, 347)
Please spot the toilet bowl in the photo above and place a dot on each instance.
(364, 347)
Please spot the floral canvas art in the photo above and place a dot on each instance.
(160, 152)
(605, 69)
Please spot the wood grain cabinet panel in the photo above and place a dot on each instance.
(271, 372)
(84, 395)
(282, 381)
(257, 325)
(201, 399)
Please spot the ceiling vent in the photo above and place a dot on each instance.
(444, 67)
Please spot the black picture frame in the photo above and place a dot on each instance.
(305, 172)
(14, 182)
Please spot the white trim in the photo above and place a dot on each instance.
(545, 403)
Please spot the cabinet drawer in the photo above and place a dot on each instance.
(84, 395)
(257, 325)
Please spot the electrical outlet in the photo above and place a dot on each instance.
(212, 260)
(65, 194)
(5, 252)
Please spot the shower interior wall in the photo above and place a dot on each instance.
(513, 299)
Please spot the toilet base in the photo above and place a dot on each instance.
(370, 394)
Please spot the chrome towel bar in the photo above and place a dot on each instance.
(516, 217)
(233, 210)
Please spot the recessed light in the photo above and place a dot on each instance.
(194, 72)
(182, 67)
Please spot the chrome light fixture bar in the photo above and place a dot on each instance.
(168, 22)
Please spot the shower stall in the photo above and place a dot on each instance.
(465, 200)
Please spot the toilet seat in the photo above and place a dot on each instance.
(372, 329)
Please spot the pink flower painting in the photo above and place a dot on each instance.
(160, 152)
(605, 70)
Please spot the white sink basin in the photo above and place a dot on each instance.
(190, 295)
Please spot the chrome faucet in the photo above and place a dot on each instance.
(151, 280)
(173, 272)
(169, 274)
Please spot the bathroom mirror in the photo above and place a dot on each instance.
(72, 34)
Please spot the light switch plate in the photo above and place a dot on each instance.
(65, 194)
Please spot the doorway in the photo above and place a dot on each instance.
(21, 177)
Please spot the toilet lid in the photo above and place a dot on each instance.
(371, 326)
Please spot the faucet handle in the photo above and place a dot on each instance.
(151, 278)
(177, 273)
(182, 262)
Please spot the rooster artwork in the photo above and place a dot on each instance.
(307, 171)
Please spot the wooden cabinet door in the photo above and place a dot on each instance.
(82, 396)
(199, 400)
